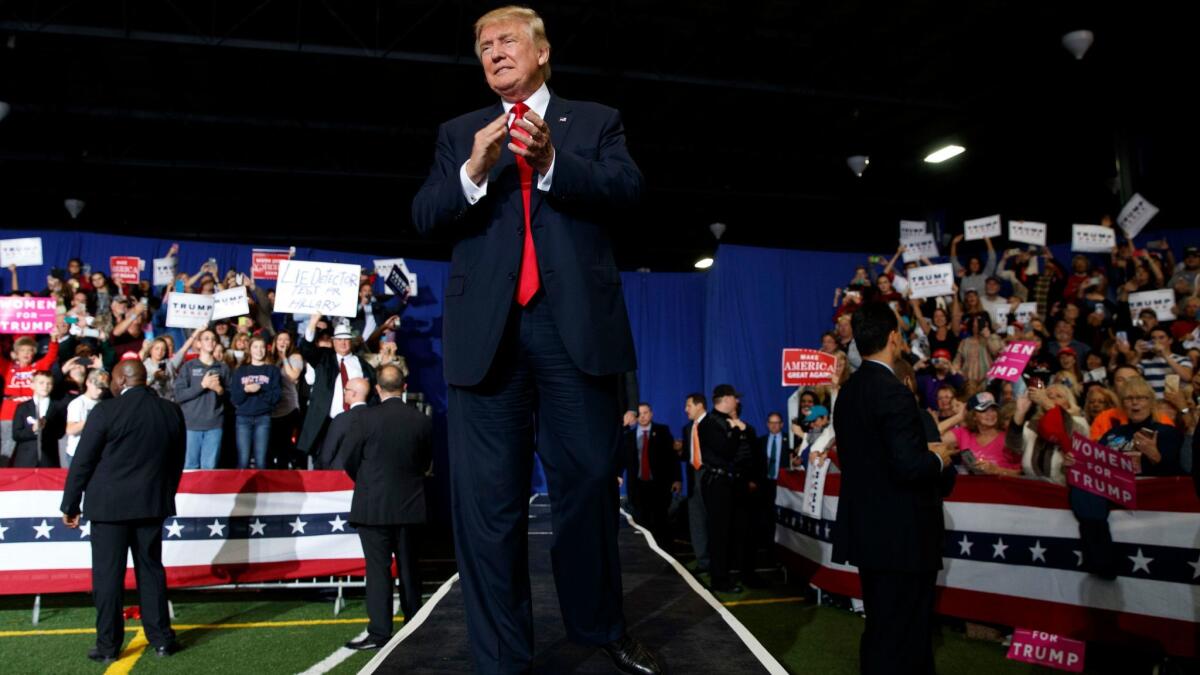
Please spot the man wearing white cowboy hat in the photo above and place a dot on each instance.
(333, 368)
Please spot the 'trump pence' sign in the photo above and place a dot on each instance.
(923, 246)
(982, 228)
(230, 302)
(189, 310)
(383, 268)
(911, 229)
(1161, 301)
(24, 252)
(1135, 215)
(306, 287)
(931, 281)
(805, 367)
(1092, 238)
(1027, 232)
(1011, 362)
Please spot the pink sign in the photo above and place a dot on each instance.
(126, 269)
(1032, 646)
(27, 316)
(264, 263)
(805, 367)
(1102, 471)
(1011, 362)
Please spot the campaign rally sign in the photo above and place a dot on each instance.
(125, 269)
(1102, 471)
(1092, 238)
(231, 302)
(264, 263)
(807, 367)
(1134, 216)
(1161, 301)
(383, 268)
(1025, 311)
(189, 310)
(1027, 232)
(923, 246)
(912, 229)
(27, 316)
(931, 281)
(982, 228)
(23, 252)
(307, 287)
(164, 271)
(1011, 362)
(1045, 649)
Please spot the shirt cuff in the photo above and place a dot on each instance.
(471, 191)
(310, 332)
(545, 181)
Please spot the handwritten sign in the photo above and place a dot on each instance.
(27, 316)
(931, 281)
(1102, 471)
(231, 302)
(306, 287)
(189, 310)
(264, 263)
(1011, 362)
(912, 229)
(164, 271)
(814, 484)
(24, 252)
(1161, 301)
(1092, 238)
(383, 268)
(1134, 216)
(1032, 646)
(805, 367)
(1027, 232)
(125, 269)
(982, 228)
(920, 247)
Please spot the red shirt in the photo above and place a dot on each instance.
(18, 380)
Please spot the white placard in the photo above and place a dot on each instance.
(900, 284)
(1092, 238)
(814, 487)
(921, 247)
(24, 252)
(383, 268)
(1027, 232)
(982, 228)
(931, 281)
(164, 271)
(1025, 312)
(1161, 301)
(231, 302)
(189, 310)
(912, 229)
(306, 287)
(1134, 216)
(998, 311)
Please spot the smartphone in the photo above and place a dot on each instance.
(968, 457)
(1145, 346)
(71, 320)
(179, 285)
(91, 332)
(240, 279)
(1122, 337)
(1171, 382)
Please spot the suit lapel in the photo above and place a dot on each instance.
(558, 118)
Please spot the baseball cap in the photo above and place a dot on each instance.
(982, 401)
(815, 413)
(941, 355)
(723, 390)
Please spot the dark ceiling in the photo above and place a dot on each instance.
(313, 121)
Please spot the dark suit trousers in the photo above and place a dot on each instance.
(492, 429)
(110, 541)
(897, 638)
(725, 506)
(380, 543)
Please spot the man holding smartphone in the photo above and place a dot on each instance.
(1155, 358)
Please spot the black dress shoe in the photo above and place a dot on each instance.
(727, 588)
(630, 656)
(168, 649)
(100, 657)
(365, 643)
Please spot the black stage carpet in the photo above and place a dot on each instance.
(662, 609)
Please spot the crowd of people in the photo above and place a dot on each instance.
(258, 391)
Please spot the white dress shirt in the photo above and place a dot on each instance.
(353, 370)
(537, 102)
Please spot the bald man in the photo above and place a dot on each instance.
(356, 393)
(131, 451)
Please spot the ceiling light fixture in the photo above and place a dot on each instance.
(943, 154)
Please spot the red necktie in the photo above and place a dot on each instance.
(646, 456)
(528, 283)
(345, 379)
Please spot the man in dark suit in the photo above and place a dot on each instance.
(334, 368)
(695, 407)
(725, 452)
(889, 517)
(772, 454)
(535, 329)
(128, 462)
(651, 472)
(389, 450)
(38, 424)
(334, 449)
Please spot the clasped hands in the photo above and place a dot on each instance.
(530, 130)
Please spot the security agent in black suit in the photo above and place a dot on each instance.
(37, 426)
(128, 463)
(535, 331)
(334, 449)
(889, 520)
(327, 390)
(772, 454)
(725, 450)
(651, 472)
(389, 450)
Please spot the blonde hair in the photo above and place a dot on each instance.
(1133, 387)
(525, 15)
(1073, 403)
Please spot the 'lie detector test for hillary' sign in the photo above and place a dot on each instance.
(307, 287)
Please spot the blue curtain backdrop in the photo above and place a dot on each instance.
(692, 331)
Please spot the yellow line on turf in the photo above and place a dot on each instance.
(206, 626)
(129, 657)
(764, 601)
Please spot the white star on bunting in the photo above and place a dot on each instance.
(3, 529)
(43, 530)
(175, 530)
(1037, 551)
(216, 529)
(999, 548)
(85, 529)
(964, 546)
(258, 527)
(1140, 561)
(297, 525)
(1078, 558)
(338, 524)
(1195, 566)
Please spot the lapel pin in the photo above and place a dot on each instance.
(562, 119)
